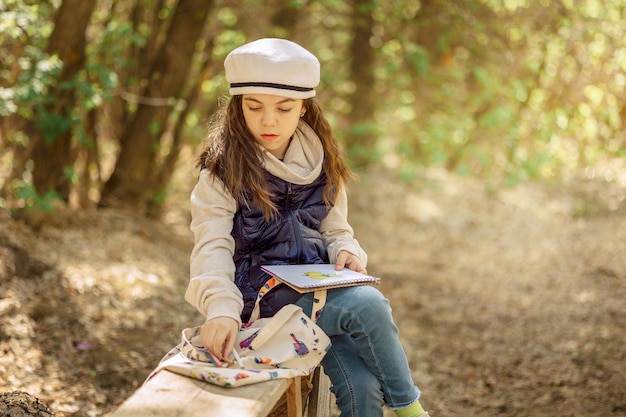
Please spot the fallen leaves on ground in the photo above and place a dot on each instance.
(509, 303)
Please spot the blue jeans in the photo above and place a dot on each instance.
(366, 363)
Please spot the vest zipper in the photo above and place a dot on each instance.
(294, 224)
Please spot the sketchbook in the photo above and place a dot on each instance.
(312, 277)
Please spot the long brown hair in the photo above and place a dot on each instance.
(232, 155)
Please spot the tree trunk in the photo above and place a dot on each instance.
(362, 100)
(166, 170)
(51, 154)
(134, 181)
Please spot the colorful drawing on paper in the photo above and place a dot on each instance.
(322, 275)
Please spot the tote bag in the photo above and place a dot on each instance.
(287, 345)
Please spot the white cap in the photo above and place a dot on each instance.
(272, 66)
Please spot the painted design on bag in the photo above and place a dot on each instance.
(215, 378)
(299, 346)
(263, 361)
(241, 376)
(244, 344)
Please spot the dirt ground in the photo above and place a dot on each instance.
(510, 303)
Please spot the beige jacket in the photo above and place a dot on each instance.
(211, 289)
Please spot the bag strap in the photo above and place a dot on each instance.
(272, 326)
(319, 300)
(256, 311)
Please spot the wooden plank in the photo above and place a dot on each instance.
(320, 397)
(172, 395)
(294, 398)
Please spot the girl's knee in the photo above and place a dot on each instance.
(357, 293)
(372, 301)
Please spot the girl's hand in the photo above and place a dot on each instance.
(347, 259)
(219, 336)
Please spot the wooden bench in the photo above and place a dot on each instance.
(169, 394)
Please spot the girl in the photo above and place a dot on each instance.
(272, 190)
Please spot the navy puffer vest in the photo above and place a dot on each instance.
(292, 237)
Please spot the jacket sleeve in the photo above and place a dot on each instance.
(212, 289)
(337, 233)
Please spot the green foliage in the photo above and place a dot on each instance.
(159, 198)
(26, 72)
(51, 125)
(507, 101)
(509, 91)
(29, 91)
(31, 200)
(418, 57)
(226, 41)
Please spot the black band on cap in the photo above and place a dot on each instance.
(271, 85)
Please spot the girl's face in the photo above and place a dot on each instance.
(272, 120)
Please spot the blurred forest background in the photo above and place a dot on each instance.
(99, 99)
(489, 136)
